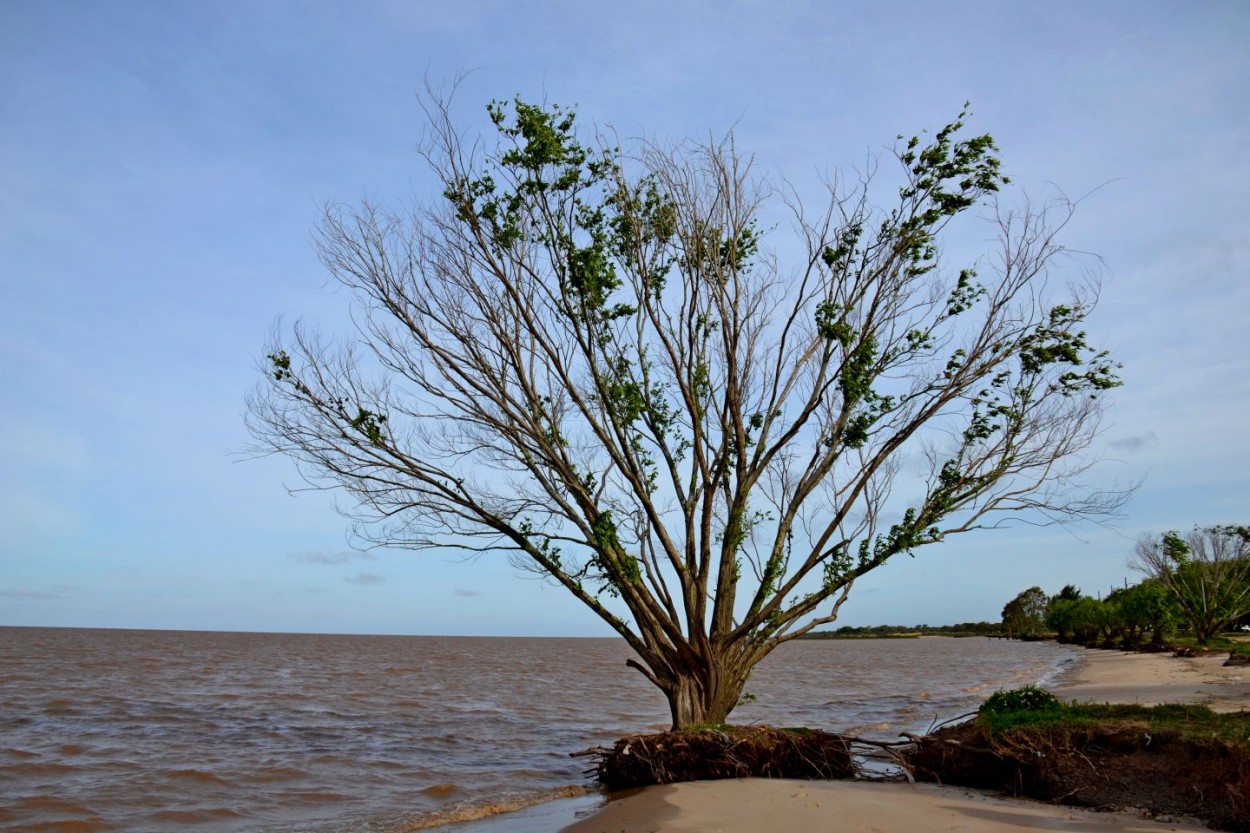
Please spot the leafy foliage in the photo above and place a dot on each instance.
(1206, 574)
(1027, 698)
(1026, 613)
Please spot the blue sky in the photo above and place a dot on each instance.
(163, 166)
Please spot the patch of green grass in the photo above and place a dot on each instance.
(1237, 648)
(1022, 708)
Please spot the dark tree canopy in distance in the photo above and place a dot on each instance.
(602, 362)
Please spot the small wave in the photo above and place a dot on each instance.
(37, 769)
(69, 826)
(196, 816)
(870, 727)
(440, 790)
(59, 706)
(19, 753)
(51, 805)
(473, 811)
(315, 796)
(195, 775)
(280, 773)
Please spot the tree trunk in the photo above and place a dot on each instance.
(704, 696)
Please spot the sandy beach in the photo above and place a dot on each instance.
(747, 806)
(1148, 679)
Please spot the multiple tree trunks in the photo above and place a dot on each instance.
(728, 752)
(1105, 768)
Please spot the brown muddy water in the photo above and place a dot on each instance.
(147, 731)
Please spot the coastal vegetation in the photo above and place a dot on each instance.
(962, 629)
(1168, 759)
(1205, 573)
(1025, 614)
(1196, 586)
(614, 367)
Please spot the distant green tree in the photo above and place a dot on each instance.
(1146, 608)
(1206, 572)
(1081, 621)
(1109, 621)
(1025, 615)
(1060, 619)
(1069, 593)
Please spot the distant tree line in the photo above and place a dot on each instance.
(961, 629)
(1197, 582)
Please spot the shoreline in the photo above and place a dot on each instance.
(745, 806)
(1110, 676)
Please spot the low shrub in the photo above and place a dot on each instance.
(1030, 698)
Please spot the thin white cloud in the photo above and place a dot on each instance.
(58, 592)
(365, 578)
(337, 557)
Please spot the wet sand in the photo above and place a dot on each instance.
(746, 806)
(781, 806)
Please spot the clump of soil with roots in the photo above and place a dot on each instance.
(1125, 766)
(723, 752)
(1163, 761)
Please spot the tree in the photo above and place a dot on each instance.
(1061, 618)
(1025, 615)
(593, 360)
(1060, 612)
(1079, 620)
(1144, 607)
(1206, 572)
(1069, 593)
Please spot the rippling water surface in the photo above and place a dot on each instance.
(153, 731)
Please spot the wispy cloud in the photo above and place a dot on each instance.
(337, 557)
(466, 593)
(365, 578)
(58, 592)
(1135, 443)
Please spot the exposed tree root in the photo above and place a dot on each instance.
(1111, 767)
(735, 752)
(1106, 768)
